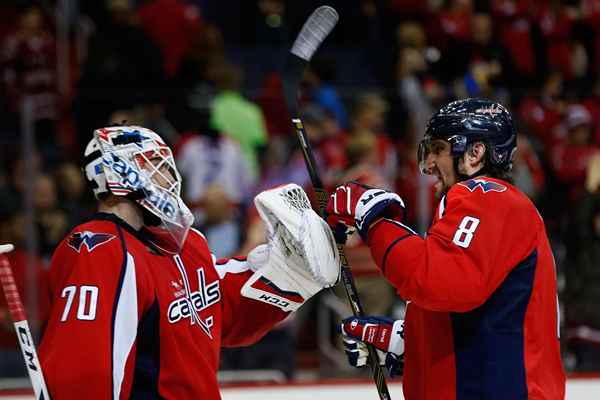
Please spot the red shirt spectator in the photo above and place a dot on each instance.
(174, 25)
(556, 24)
(515, 32)
(571, 155)
(28, 63)
(542, 117)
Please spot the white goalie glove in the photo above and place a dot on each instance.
(300, 257)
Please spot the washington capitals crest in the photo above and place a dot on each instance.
(486, 186)
(89, 240)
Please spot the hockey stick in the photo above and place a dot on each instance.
(315, 29)
(17, 313)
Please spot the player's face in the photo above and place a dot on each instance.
(439, 163)
(159, 169)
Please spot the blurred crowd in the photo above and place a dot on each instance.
(206, 77)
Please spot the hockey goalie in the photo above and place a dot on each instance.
(139, 306)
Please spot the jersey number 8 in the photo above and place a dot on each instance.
(466, 230)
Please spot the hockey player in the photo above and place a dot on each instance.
(139, 307)
(482, 317)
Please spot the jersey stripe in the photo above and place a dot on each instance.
(442, 207)
(489, 340)
(124, 324)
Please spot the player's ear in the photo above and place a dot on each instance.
(475, 155)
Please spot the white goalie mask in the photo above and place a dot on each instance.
(135, 162)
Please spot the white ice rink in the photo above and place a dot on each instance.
(577, 389)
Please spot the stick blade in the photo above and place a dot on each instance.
(320, 23)
(6, 248)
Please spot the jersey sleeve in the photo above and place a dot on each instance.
(245, 320)
(88, 347)
(465, 256)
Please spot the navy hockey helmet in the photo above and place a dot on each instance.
(466, 121)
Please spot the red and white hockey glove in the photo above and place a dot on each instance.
(386, 334)
(355, 204)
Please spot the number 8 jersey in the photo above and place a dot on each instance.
(482, 319)
(129, 322)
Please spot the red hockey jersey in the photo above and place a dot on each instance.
(482, 319)
(122, 323)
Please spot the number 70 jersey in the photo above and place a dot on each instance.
(482, 319)
(128, 322)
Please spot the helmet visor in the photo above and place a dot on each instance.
(162, 198)
(175, 219)
(429, 145)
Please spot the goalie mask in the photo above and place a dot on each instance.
(134, 162)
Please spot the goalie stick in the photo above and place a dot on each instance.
(315, 29)
(17, 313)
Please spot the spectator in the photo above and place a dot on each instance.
(516, 33)
(368, 119)
(582, 292)
(72, 193)
(28, 63)
(52, 223)
(175, 26)
(124, 68)
(528, 174)
(570, 156)
(412, 75)
(319, 78)
(543, 112)
(217, 182)
(237, 117)
(324, 135)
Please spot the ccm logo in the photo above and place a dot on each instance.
(274, 300)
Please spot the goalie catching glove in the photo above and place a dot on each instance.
(384, 333)
(300, 257)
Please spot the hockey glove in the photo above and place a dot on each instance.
(300, 257)
(355, 204)
(384, 333)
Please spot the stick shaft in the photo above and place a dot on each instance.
(17, 313)
(347, 277)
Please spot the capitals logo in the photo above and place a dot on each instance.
(190, 303)
(486, 186)
(89, 240)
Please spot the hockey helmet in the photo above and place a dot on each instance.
(466, 121)
(134, 162)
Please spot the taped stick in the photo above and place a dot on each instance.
(17, 314)
(315, 30)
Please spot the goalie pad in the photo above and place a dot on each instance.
(300, 257)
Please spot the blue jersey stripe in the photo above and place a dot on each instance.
(147, 362)
(489, 341)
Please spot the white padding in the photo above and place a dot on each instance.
(301, 255)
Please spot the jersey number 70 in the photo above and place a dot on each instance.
(88, 300)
